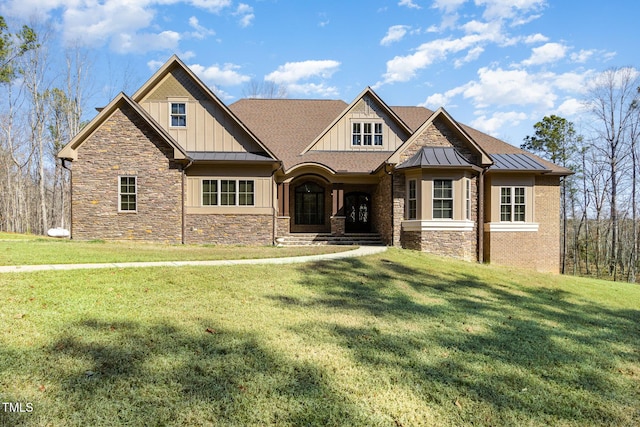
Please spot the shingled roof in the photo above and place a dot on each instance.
(288, 126)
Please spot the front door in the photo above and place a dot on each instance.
(357, 207)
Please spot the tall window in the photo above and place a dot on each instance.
(127, 194)
(412, 208)
(366, 133)
(245, 193)
(377, 136)
(227, 192)
(178, 114)
(442, 199)
(512, 204)
(209, 192)
(309, 204)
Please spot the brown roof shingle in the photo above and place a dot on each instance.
(288, 126)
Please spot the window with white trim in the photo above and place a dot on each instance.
(178, 114)
(228, 192)
(366, 133)
(209, 192)
(512, 204)
(412, 200)
(127, 194)
(442, 199)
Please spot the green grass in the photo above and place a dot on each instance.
(22, 249)
(397, 339)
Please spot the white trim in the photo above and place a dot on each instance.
(530, 227)
(437, 225)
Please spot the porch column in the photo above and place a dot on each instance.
(337, 211)
(283, 222)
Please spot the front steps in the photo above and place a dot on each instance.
(310, 239)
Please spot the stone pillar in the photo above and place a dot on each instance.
(337, 225)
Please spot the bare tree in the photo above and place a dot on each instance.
(611, 100)
(264, 89)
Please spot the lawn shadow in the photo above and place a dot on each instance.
(513, 353)
(103, 373)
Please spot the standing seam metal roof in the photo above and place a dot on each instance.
(436, 156)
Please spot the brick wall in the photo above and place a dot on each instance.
(125, 145)
(534, 250)
(236, 229)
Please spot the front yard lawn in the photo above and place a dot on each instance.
(397, 339)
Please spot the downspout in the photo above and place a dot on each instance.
(64, 166)
(274, 208)
(184, 213)
(481, 215)
(393, 226)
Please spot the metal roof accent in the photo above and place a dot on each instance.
(516, 162)
(436, 157)
(226, 156)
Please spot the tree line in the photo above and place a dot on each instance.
(40, 111)
(599, 202)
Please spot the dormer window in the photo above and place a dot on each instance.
(178, 114)
(366, 133)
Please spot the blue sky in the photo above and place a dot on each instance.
(497, 65)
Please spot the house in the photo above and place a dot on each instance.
(173, 163)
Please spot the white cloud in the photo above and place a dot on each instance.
(313, 89)
(200, 31)
(292, 72)
(395, 33)
(472, 55)
(536, 38)
(448, 6)
(214, 6)
(220, 76)
(547, 53)
(516, 11)
(497, 121)
(145, 42)
(409, 3)
(246, 14)
(509, 87)
(404, 68)
(571, 107)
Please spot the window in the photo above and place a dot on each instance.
(412, 209)
(127, 194)
(309, 204)
(377, 136)
(467, 201)
(178, 114)
(512, 204)
(366, 133)
(356, 138)
(442, 199)
(228, 192)
(245, 193)
(209, 192)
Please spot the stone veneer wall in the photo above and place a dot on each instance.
(455, 244)
(382, 210)
(539, 251)
(399, 193)
(229, 229)
(438, 135)
(125, 145)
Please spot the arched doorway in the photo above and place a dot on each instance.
(357, 209)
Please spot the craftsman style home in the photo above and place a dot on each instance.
(173, 163)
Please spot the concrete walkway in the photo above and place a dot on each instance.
(360, 251)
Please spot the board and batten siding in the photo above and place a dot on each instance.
(208, 127)
(338, 138)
